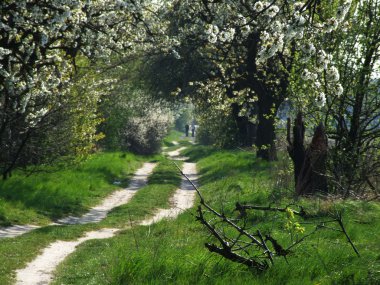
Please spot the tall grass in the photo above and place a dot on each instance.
(16, 252)
(44, 196)
(173, 136)
(173, 252)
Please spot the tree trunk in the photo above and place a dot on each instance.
(266, 135)
(296, 147)
(246, 129)
(312, 177)
(252, 133)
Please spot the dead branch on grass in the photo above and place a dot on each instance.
(239, 244)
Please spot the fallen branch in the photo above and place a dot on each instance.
(242, 209)
(247, 248)
(340, 222)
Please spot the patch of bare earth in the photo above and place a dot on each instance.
(39, 271)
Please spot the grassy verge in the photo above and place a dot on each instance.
(173, 251)
(178, 137)
(41, 197)
(75, 269)
(173, 136)
(17, 252)
(164, 180)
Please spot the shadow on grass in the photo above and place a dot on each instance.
(216, 164)
(166, 174)
(70, 189)
(199, 152)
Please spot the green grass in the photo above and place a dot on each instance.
(173, 252)
(173, 136)
(16, 252)
(42, 197)
(178, 137)
(164, 180)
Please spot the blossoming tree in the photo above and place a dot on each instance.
(253, 48)
(40, 42)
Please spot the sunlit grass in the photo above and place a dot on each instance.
(173, 252)
(42, 197)
(16, 252)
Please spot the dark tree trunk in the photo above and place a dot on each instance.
(296, 147)
(309, 165)
(266, 135)
(312, 177)
(252, 133)
(246, 129)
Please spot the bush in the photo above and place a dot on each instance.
(217, 128)
(133, 122)
(143, 135)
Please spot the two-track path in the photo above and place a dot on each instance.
(40, 270)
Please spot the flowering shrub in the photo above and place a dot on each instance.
(41, 43)
(134, 120)
(143, 134)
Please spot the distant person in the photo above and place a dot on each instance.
(193, 128)
(187, 130)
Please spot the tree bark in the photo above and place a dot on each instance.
(266, 135)
(296, 147)
(312, 177)
(246, 129)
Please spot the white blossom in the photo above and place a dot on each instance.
(339, 89)
(272, 11)
(212, 38)
(332, 74)
(308, 49)
(259, 6)
(331, 25)
(227, 35)
(321, 99)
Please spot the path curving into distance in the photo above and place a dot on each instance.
(182, 199)
(176, 154)
(97, 213)
(114, 200)
(40, 270)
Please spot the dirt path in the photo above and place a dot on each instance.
(182, 199)
(116, 199)
(40, 271)
(176, 153)
(96, 213)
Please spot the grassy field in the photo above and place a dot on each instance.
(43, 197)
(173, 252)
(16, 252)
